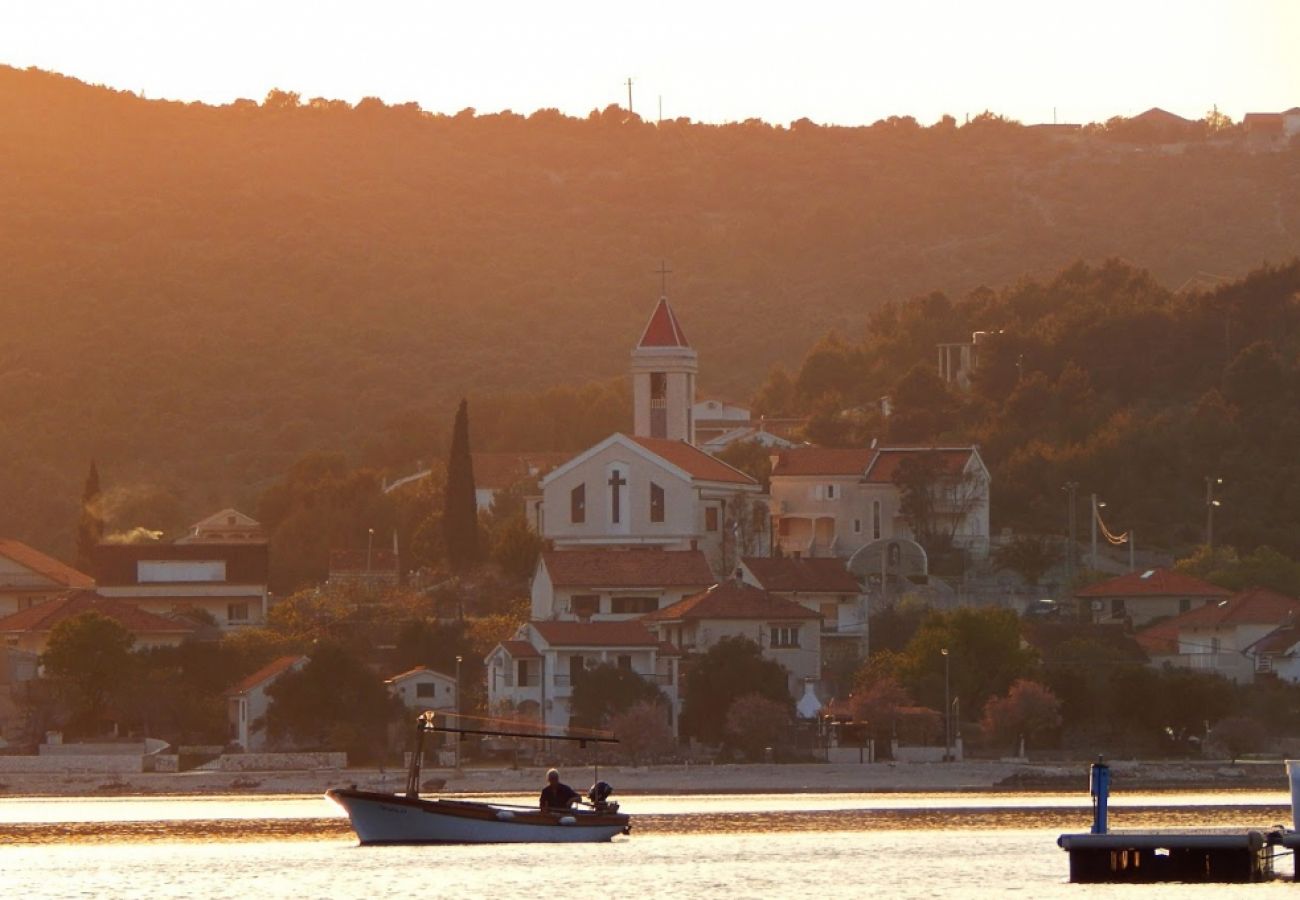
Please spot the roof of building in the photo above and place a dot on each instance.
(117, 565)
(876, 465)
(1280, 640)
(30, 558)
(521, 650)
(1160, 639)
(818, 575)
(694, 461)
(663, 329)
(272, 670)
(595, 634)
(45, 615)
(1154, 583)
(884, 468)
(732, 600)
(418, 670)
(1253, 606)
(226, 526)
(498, 471)
(627, 568)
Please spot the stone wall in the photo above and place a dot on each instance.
(66, 765)
(273, 762)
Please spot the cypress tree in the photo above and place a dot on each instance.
(90, 525)
(459, 509)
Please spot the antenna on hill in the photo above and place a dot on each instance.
(629, 96)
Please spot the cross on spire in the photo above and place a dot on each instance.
(663, 272)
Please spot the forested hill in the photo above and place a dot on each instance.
(196, 296)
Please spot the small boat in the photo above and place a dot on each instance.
(383, 818)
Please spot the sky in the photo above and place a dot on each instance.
(848, 63)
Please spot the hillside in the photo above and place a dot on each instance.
(196, 296)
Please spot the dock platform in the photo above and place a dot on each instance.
(1230, 855)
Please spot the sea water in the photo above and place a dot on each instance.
(785, 845)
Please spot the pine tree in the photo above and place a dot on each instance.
(90, 525)
(459, 508)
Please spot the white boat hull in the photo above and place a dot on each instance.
(379, 818)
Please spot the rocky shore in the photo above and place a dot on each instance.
(882, 777)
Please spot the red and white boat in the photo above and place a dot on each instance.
(384, 818)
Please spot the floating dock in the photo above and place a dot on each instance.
(1224, 855)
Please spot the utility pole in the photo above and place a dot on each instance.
(1092, 558)
(1070, 488)
(1210, 504)
(629, 96)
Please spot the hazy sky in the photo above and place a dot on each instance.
(849, 62)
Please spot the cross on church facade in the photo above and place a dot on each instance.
(616, 481)
(663, 272)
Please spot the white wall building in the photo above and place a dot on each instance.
(248, 701)
(423, 688)
(612, 585)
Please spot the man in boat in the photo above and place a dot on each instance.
(556, 794)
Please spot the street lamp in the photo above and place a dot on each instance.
(370, 546)
(459, 659)
(1210, 503)
(947, 709)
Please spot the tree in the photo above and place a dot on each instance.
(923, 407)
(730, 669)
(89, 659)
(879, 700)
(935, 502)
(515, 547)
(1239, 735)
(460, 508)
(607, 690)
(1028, 557)
(334, 702)
(1029, 709)
(90, 525)
(643, 732)
(756, 723)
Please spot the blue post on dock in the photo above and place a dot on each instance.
(1099, 785)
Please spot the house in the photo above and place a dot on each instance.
(787, 632)
(533, 674)
(714, 418)
(29, 629)
(1224, 638)
(600, 585)
(229, 526)
(1277, 654)
(822, 585)
(1139, 598)
(748, 434)
(423, 688)
(224, 580)
(1263, 126)
(28, 576)
(247, 702)
(835, 502)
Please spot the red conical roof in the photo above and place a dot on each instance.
(663, 329)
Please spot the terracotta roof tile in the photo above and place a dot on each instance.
(628, 568)
(823, 461)
(274, 669)
(1254, 606)
(820, 575)
(1160, 639)
(884, 469)
(694, 461)
(732, 600)
(1154, 583)
(418, 670)
(44, 616)
(60, 573)
(663, 329)
(521, 650)
(1279, 641)
(595, 634)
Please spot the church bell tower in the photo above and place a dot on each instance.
(664, 366)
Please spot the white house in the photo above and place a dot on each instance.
(787, 632)
(247, 703)
(1138, 598)
(822, 585)
(832, 502)
(28, 576)
(423, 688)
(533, 674)
(602, 585)
(229, 526)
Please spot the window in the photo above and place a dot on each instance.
(585, 606)
(236, 612)
(625, 662)
(710, 518)
(784, 636)
(656, 503)
(578, 504)
(577, 665)
(521, 678)
(1117, 608)
(830, 492)
(633, 605)
(174, 570)
(857, 526)
(875, 520)
(1185, 605)
(426, 689)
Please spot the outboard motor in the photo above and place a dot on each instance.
(599, 797)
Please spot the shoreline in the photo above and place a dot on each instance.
(992, 776)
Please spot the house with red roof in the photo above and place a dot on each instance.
(533, 674)
(1140, 598)
(823, 585)
(28, 577)
(1228, 637)
(29, 629)
(788, 632)
(834, 502)
(423, 688)
(600, 584)
(247, 702)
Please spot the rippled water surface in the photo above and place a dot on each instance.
(782, 845)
